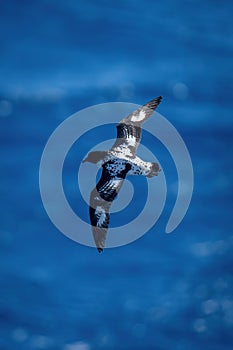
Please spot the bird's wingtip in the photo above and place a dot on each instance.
(158, 99)
(154, 103)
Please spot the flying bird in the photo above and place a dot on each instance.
(118, 162)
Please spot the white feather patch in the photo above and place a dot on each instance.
(131, 140)
(122, 151)
(139, 117)
(100, 212)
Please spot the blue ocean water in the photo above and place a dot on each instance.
(162, 291)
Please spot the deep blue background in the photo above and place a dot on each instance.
(163, 291)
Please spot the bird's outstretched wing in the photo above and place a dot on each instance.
(102, 196)
(129, 129)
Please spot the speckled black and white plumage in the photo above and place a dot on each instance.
(117, 163)
(102, 196)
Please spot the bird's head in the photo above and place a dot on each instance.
(95, 156)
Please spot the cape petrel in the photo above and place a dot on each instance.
(119, 161)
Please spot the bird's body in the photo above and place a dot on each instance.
(121, 160)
